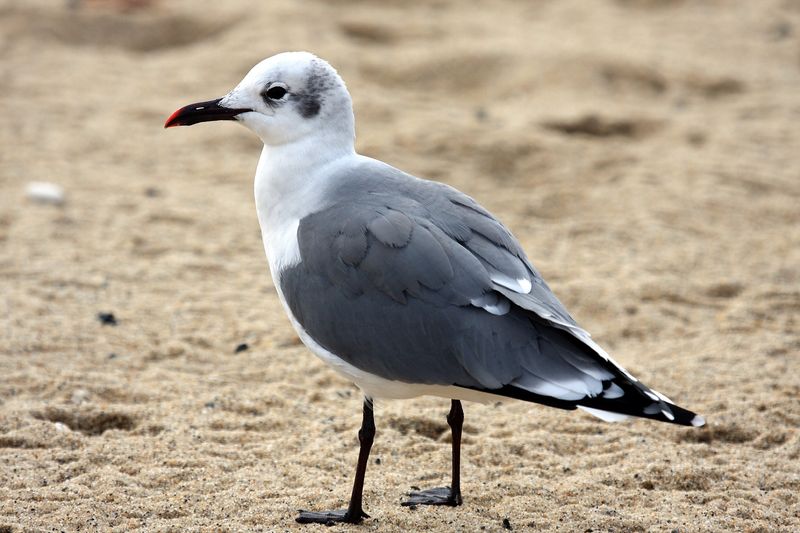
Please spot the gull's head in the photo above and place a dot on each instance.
(283, 99)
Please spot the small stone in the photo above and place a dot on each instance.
(175, 349)
(107, 319)
(241, 348)
(507, 524)
(43, 192)
(61, 427)
(696, 138)
(79, 396)
(781, 30)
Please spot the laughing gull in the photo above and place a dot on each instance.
(407, 287)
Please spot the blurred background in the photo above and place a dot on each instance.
(645, 153)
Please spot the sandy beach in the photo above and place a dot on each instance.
(646, 154)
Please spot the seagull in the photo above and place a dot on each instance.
(406, 287)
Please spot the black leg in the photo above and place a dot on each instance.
(455, 419)
(445, 495)
(354, 512)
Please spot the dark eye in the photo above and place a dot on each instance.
(276, 92)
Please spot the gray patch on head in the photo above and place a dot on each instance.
(309, 102)
(308, 105)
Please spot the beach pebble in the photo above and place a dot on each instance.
(43, 192)
(107, 319)
(175, 349)
(79, 396)
(61, 427)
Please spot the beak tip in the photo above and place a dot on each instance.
(172, 121)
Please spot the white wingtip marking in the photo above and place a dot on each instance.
(525, 285)
(614, 391)
(500, 309)
(698, 421)
(520, 286)
(493, 303)
(534, 384)
(668, 414)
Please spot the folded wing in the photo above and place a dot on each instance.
(413, 281)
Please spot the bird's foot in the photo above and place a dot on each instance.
(437, 496)
(330, 518)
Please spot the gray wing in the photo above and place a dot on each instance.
(414, 281)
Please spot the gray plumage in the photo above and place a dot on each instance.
(413, 281)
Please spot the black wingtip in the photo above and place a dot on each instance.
(644, 405)
(631, 404)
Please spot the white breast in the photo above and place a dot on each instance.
(281, 246)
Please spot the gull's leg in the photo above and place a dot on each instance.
(445, 495)
(354, 512)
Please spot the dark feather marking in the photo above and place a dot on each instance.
(308, 105)
(310, 100)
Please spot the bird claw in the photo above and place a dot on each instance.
(437, 496)
(330, 518)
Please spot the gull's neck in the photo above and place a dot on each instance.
(289, 176)
(291, 182)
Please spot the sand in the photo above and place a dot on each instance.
(645, 153)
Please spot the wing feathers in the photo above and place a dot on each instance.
(418, 283)
(497, 257)
(391, 228)
(351, 249)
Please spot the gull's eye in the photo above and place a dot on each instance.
(276, 92)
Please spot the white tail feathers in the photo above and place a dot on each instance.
(607, 416)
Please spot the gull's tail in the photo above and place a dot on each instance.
(639, 401)
(565, 368)
(635, 402)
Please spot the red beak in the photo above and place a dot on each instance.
(202, 112)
